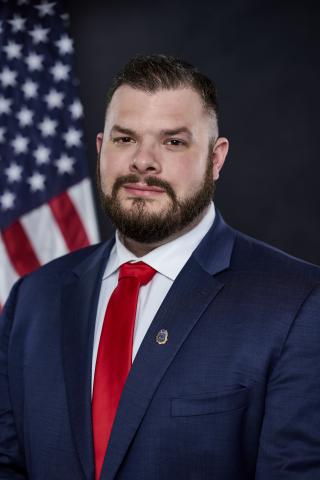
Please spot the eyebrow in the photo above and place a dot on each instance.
(174, 131)
(126, 131)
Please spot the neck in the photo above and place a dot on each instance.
(139, 249)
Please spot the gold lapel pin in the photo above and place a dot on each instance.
(162, 337)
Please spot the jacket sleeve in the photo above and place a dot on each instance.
(290, 438)
(12, 465)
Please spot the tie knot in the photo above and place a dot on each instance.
(139, 270)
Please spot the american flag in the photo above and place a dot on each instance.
(46, 205)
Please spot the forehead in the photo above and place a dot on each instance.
(176, 106)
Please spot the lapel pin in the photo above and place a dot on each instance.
(162, 337)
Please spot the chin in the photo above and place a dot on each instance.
(150, 204)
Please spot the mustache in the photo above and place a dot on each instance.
(150, 181)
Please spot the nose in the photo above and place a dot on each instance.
(145, 160)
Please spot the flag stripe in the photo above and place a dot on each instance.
(19, 249)
(44, 234)
(7, 274)
(81, 195)
(69, 221)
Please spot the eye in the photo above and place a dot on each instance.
(175, 142)
(122, 140)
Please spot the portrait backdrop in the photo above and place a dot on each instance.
(264, 59)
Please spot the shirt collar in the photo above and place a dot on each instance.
(168, 259)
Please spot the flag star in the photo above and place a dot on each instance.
(42, 155)
(14, 172)
(34, 61)
(65, 44)
(64, 164)
(65, 17)
(36, 181)
(45, 8)
(2, 134)
(13, 50)
(39, 34)
(20, 144)
(60, 71)
(54, 99)
(17, 23)
(5, 105)
(48, 127)
(7, 200)
(76, 109)
(29, 89)
(8, 77)
(25, 117)
(72, 137)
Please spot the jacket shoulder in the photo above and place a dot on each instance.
(67, 263)
(256, 255)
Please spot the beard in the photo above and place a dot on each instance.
(138, 224)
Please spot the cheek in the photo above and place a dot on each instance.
(107, 176)
(186, 179)
(110, 168)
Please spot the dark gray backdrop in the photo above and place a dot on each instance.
(264, 58)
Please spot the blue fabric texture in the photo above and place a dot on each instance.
(234, 394)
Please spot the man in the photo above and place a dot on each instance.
(224, 339)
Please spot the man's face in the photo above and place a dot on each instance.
(157, 161)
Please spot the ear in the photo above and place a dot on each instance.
(99, 140)
(219, 153)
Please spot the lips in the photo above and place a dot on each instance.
(142, 189)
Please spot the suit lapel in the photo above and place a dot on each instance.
(78, 311)
(193, 290)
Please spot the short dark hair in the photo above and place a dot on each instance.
(151, 73)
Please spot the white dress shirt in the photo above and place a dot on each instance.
(167, 260)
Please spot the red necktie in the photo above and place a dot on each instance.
(114, 356)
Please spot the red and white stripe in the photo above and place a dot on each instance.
(66, 223)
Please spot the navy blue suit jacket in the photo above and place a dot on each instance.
(234, 394)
